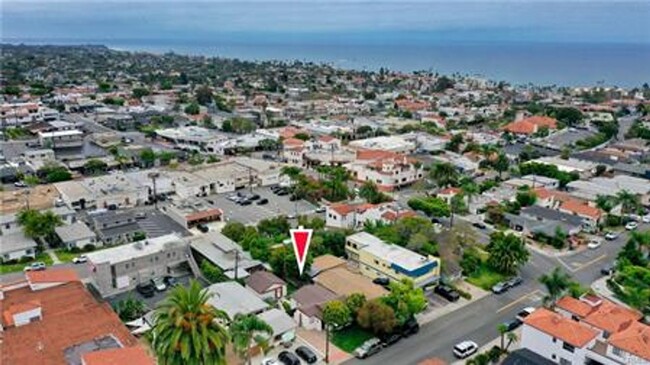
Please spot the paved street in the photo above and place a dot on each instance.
(478, 321)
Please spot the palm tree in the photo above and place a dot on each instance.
(605, 202)
(557, 283)
(186, 329)
(444, 174)
(512, 338)
(470, 189)
(501, 164)
(630, 202)
(507, 253)
(503, 329)
(246, 328)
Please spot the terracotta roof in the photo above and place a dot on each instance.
(71, 316)
(560, 327)
(289, 132)
(135, 355)
(343, 282)
(391, 215)
(574, 306)
(449, 191)
(205, 214)
(581, 208)
(52, 276)
(345, 209)
(261, 281)
(293, 142)
(634, 339)
(14, 309)
(326, 138)
(364, 155)
(326, 262)
(530, 125)
(612, 317)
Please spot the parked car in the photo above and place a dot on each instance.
(20, 184)
(140, 215)
(287, 358)
(35, 266)
(202, 227)
(525, 313)
(610, 236)
(270, 361)
(368, 348)
(262, 201)
(233, 198)
(447, 292)
(58, 202)
(381, 281)
(159, 284)
(479, 225)
(631, 226)
(147, 290)
(245, 202)
(320, 209)
(646, 218)
(171, 281)
(254, 197)
(275, 188)
(500, 287)
(390, 338)
(512, 324)
(282, 192)
(465, 349)
(306, 354)
(594, 243)
(608, 270)
(294, 198)
(80, 259)
(410, 327)
(515, 281)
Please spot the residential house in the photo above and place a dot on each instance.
(376, 258)
(114, 227)
(61, 139)
(76, 235)
(388, 170)
(266, 285)
(50, 318)
(355, 215)
(333, 274)
(234, 299)
(9, 222)
(16, 246)
(226, 254)
(193, 211)
(283, 326)
(108, 191)
(119, 269)
(395, 144)
(588, 330)
(308, 302)
(531, 125)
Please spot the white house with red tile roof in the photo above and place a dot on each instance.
(388, 170)
(354, 215)
(530, 125)
(587, 330)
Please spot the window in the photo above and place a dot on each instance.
(616, 351)
(568, 347)
(554, 340)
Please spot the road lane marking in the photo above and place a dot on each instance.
(586, 264)
(515, 302)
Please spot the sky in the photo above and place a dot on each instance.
(324, 21)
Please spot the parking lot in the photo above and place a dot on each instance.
(152, 302)
(567, 137)
(253, 213)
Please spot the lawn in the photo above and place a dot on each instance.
(4, 269)
(348, 339)
(65, 255)
(485, 278)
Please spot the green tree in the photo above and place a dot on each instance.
(186, 329)
(268, 144)
(444, 174)
(354, 302)
(469, 190)
(526, 198)
(212, 273)
(501, 164)
(605, 202)
(139, 92)
(335, 315)
(405, 299)
(630, 203)
(431, 206)
(94, 166)
(283, 262)
(130, 309)
(557, 283)
(244, 329)
(203, 95)
(192, 109)
(507, 253)
(455, 142)
(371, 193)
(37, 224)
(234, 230)
(148, 157)
(335, 184)
(377, 316)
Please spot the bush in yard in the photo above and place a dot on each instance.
(377, 317)
(471, 261)
(212, 273)
(74, 249)
(89, 247)
(23, 260)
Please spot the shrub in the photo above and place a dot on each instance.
(613, 220)
(90, 247)
(25, 259)
(75, 249)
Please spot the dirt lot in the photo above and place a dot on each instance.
(40, 197)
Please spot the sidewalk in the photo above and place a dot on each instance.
(495, 342)
(477, 294)
(53, 256)
(553, 252)
(600, 287)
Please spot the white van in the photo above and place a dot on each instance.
(465, 349)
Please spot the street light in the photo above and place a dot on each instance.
(153, 176)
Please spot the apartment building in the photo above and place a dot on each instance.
(589, 330)
(61, 139)
(377, 258)
(355, 215)
(121, 268)
(386, 169)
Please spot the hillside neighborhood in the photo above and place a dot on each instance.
(455, 219)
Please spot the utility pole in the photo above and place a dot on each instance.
(236, 263)
(153, 176)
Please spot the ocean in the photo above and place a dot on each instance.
(562, 64)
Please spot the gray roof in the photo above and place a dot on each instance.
(548, 214)
(233, 299)
(261, 281)
(111, 217)
(132, 251)
(15, 242)
(220, 250)
(74, 232)
(548, 228)
(310, 295)
(278, 320)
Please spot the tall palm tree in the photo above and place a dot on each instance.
(630, 202)
(470, 189)
(512, 338)
(246, 328)
(557, 283)
(444, 174)
(186, 329)
(503, 329)
(605, 202)
(507, 253)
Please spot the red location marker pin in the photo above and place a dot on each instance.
(301, 238)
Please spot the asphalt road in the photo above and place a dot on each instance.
(478, 321)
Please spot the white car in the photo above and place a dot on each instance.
(35, 266)
(525, 313)
(159, 284)
(646, 218)
(594, 244)
(270, 361)
(610, 236)
(632, 226)
(465, 349)
(80, 259)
